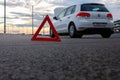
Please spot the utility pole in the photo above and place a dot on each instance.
(32, 20)
(4, 16)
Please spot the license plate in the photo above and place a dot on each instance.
(99, 24)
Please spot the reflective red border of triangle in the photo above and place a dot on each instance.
(56, 39)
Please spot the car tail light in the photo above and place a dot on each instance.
(83, 14)
(109, 15)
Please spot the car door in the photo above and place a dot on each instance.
(59, 22)
(68, 17)
(63, 19)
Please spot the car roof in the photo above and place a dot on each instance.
(91, 4)
(59, 9)
(94, 3)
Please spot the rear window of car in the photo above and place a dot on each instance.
(94, 7)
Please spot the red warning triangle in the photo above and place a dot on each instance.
(56, 39)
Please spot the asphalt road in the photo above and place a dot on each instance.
(89, 58)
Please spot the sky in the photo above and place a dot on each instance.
(19, 11)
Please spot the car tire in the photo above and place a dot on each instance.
(51, 34)
(79, 35)
(72, 31)
(106, 35)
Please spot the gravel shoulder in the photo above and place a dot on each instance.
(89, 58)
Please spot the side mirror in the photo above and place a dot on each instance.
(55, 18)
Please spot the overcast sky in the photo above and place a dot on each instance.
(19, 11)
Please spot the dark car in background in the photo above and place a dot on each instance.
(117, 26)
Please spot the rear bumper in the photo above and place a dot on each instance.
(93, 23)
(95, 30)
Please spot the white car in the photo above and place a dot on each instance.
(86, 18)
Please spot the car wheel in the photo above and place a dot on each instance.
(51, 34)
(72, 31)
(106, 35)
(79, 35)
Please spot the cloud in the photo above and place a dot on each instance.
(15, 4)
(21, 14)
(71, 2)
(15, 17)
(23, 25)
(57, 2)
(1, 3)
(1, 22)
(21, 9)
(12, 4)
